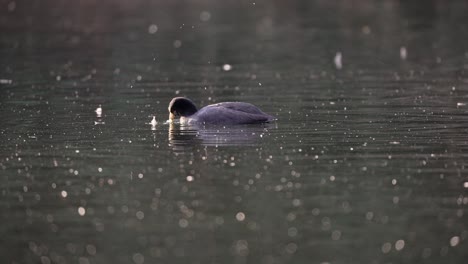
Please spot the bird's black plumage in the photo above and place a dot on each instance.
(227, 113)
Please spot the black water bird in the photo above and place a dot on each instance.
(227, 113)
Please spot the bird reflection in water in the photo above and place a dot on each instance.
(182, 137)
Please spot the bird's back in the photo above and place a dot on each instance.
(231, 113)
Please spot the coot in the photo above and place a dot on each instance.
(227, 113)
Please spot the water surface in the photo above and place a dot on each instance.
(366, 163)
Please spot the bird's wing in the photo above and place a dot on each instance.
(228, 113)
(239, 106)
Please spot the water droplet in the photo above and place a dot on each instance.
(81, 211)
(5, 81)
(338, 61)
(291, 248)
(91, 249)
(336, 235)
(292, 232)
(138, 258)
(400, 244)
(227, 67)
(296, 202)
(454, 241)
(152, 29)
(177, 43)
(241, 248)
(240, 216)
(386, 247)
(183, 223)
(140, 215)
(98, 111)
(403, 53)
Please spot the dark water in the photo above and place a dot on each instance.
(366, 163)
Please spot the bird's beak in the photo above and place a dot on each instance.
(171, 117)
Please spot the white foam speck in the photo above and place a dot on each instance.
(240, 216)
(177, 43)
(153, 122)
(227, 67)
(399, 245)
(81, 211)
(5, 81)
(152, 29)
(403, 53)
(454, 241)
(98, 111)
(338, 61)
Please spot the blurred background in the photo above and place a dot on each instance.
(366, 163)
